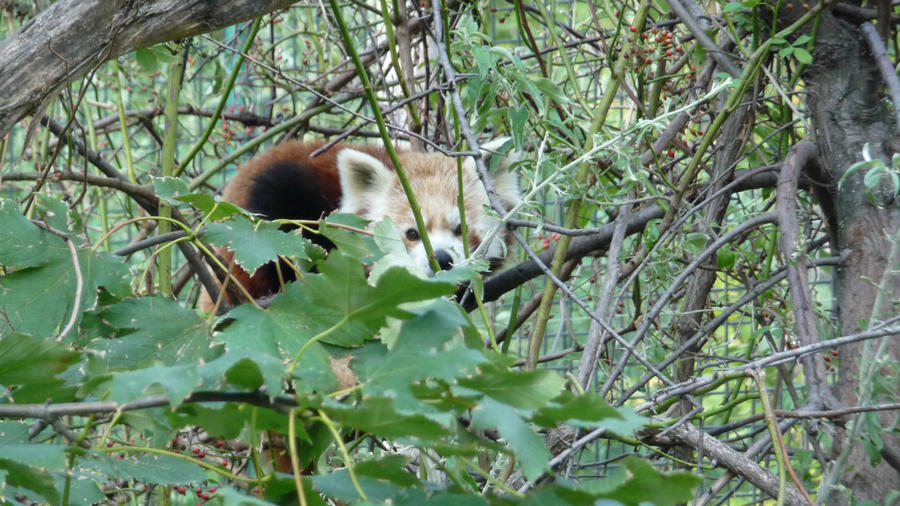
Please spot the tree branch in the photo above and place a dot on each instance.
(72, 36)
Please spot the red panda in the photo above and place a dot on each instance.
(285, 182)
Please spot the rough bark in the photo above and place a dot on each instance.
(71, 37)
(847, 111)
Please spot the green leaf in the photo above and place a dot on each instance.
(26, 360)
(642, 483)
(83, 489)
(50, 457)
(529, 448)
(174, 190)
(224, 420)
(349, 242)
(695, 242)
(550, 89)
(381, 479)
(55, 213)
(177, 381)
(212, 208)
(13, 432)
(802, 55)
(725, 258)
(154, 330)
(378, 416)
(37, 298)
(255, 244)
(22, 244)
(150, 58)
(518, 118)
(158, 469)
(16, 475)
(421, 352)
(234, 497)
(589, 411)
(520, 389)
(272, 336)
(244, 366)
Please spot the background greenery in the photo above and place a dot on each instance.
(649, 182)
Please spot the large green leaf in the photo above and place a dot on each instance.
(588, 411)
(175, 381)
(25, 360)
(521, 389)
(381, 480)
(336, 306)
(378, 416)
(254, 244)
(153, 330)
(272, 336)
(16, 475)
(159, 469)
(38, 291)
(643, 484)
(420, 352)
(529, 448)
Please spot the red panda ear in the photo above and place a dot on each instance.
(507, 185)
(365, 183)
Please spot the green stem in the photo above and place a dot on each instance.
(760, 377)
(167, 162)
(199, 462)
(347, 462)
(571, 219)
(229, 85)
(123, 125)
(268, 134)
(385, 135)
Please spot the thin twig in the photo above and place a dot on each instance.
(79, 280)
(884, 66)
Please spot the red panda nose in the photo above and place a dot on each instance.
(444, 259)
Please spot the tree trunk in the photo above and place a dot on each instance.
(847, 110)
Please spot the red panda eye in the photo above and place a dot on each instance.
(412, 234)
(457, 230)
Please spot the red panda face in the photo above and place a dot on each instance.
(373, 191)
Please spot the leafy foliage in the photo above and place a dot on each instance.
(646, 147)
(414, 393)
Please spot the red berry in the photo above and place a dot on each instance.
(633, 28)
